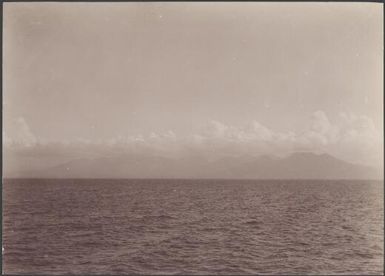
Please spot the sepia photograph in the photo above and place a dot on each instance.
(192, 138)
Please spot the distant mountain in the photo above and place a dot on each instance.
(295, 166)
(305, 166)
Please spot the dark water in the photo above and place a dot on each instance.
(192, 227)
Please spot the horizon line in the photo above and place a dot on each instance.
(207, 178)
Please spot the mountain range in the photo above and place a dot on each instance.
(302, 165)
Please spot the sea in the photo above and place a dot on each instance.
(192, 227)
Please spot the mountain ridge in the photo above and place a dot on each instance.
(299, 165)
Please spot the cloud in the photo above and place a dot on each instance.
(349, 137)
(215, 129)
(251, 131)
(321, 122)
(19, 133)
(358, 128)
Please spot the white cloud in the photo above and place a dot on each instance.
(215, 129)
(19, 133)
(350, 137)
(321, 122)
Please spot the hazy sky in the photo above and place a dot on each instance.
(103, 70)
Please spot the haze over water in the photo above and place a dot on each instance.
(192, 227)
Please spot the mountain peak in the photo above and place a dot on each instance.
(312, 155)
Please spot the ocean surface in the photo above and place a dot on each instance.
(192, 227)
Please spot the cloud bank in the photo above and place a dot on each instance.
(349, 137)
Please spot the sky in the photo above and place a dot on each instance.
(265, 78)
